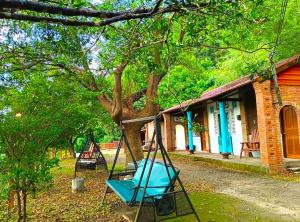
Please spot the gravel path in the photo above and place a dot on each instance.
(275, 196)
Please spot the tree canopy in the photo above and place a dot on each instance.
(126, 59)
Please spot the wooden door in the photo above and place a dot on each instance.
(290, 132)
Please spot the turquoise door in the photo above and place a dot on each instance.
(225, 140)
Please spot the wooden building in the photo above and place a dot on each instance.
(229, 115)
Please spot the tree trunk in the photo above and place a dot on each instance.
(72, 151)
(11, 198)
(19, 206)
(24, 193)
(60, 153)
(72, 147)
(132, 132)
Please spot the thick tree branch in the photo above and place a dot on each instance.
(67, 11)
(151, 94)
(31, 18)
(106, 102)
(117, 93)
(59, 15)
(129, 100)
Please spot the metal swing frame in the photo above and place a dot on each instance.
(99, 158)
(170, 190)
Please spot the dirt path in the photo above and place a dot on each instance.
(274, 196)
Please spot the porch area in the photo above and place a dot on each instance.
(244, 164)
(215, 156)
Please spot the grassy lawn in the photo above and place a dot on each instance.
(60, 204)
(220, 207)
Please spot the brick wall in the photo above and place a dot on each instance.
(112, 145)
(269, 125)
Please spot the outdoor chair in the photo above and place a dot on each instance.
(92, 158)
(252, 145)
(90, 152)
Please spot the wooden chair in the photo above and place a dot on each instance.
(252, 145)
(89, 154)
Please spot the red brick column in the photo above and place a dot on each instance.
(168, 132)
(268, 127)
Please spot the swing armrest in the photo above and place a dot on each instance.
(150, 187)
(116, 174)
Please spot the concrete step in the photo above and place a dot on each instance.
(295, 170)
(292, 163)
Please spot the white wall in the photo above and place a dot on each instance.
(237, 136)
(180, 137)
(235, 127)
(197, 143)
(213, 128)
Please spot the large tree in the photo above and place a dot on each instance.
(133, 55)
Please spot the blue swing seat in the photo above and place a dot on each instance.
(158, 184)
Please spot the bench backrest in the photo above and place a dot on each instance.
(254, 136)
(158, 177)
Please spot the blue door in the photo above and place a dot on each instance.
(224, 134)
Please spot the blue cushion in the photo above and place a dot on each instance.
(125, 190)
(158, 177)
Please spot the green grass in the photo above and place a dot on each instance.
(66, 167)
(210, 206)
(222, 208)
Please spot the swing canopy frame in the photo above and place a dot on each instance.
(90, 156)
(151, 185)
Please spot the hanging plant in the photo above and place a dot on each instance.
(197, 127)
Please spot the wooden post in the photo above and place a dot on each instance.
(168, 131)
(60, 152)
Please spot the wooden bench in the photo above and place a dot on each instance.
(252, 145)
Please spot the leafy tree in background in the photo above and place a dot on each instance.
(133, 56)
(37, 113)
(245, 49)
(234, 50)
(187, 80)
